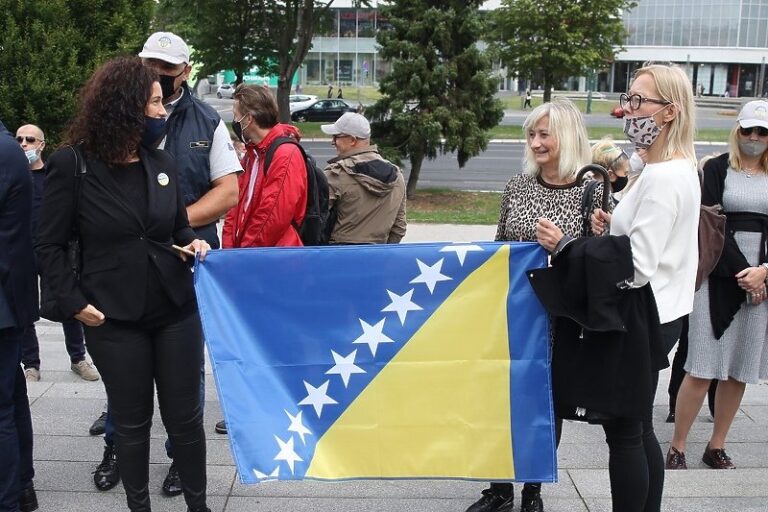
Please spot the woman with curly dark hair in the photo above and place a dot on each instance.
(121, 198)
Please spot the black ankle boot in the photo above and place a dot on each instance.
(107, 474)
(28, 499)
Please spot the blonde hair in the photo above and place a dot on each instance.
(566, 126)
(606, 153)
(674, 86)
(734, 151)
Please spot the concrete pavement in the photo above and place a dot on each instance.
(63, 407)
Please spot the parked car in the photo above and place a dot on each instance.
(322, 110)
(299, 101)
(225, 91)
(617, 112)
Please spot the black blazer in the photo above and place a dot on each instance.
(18, 278)
(117, 246)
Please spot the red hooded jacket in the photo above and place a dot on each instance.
(279, 199)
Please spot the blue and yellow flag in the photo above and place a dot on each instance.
(384, 361)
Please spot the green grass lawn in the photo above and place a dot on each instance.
(598, 106)
(443, 206)
(367, 94)
(312, 130)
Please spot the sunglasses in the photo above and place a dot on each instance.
(761, 131)
(29, 138)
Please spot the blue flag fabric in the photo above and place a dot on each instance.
(386, 361)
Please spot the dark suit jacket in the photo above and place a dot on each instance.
(117, 245)
(18, 279)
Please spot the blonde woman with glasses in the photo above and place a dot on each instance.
(660, 215)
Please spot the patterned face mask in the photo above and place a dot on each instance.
(642, 131)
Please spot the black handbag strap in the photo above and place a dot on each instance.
(80, 171)
(587, 200)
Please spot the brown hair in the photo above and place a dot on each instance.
(110, 115)
(259, 102)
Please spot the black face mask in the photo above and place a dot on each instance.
(237, 127)
(620, 183)
(167, 84)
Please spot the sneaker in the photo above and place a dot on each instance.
(85, 370)
(221, 427)
(172, 482)
(675, 459)
(492, 502)
(532, 503)
(32, 374)
(716, 458)
(98, 426)
(107, 474)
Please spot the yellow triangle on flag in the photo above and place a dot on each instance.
(441, 406)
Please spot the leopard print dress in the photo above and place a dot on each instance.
(526, 198)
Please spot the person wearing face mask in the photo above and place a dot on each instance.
(273, 201)
(611, 157)
(728, 339)
(660, 215)
(135, 295)
(32, 141)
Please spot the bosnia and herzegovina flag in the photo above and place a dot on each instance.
(396, 361)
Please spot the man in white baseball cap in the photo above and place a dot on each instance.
(367, 192)
(207, 165)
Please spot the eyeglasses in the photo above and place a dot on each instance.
(623, 154)
(636, 101)
(341, 136)
(761, 131)
(29, 138)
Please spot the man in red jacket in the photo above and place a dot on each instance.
(272, 202)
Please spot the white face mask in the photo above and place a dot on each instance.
(32, 155)
(752, 147)
(636, 163)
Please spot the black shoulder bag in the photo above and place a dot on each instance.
(49, 307)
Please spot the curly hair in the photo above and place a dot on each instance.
(110, 115)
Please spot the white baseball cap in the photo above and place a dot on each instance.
(166, 46)
(350, 123)
(754, 113)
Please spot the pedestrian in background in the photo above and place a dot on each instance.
(18, 310)
(660, 216)
(135, 295)
(527, 103)
(32, 141)
(728, 339)
(546, 193)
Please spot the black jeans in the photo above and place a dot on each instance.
(73, 340)
(132, 359)
(678, 373)
(635, 461)
(16, 471)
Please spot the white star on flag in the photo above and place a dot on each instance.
(345, 366)
(461, 250)
(287, 453)
(263, 476)
(317, 397)
(430, 275)
(297, 426)
(373, 335)
(402, 304)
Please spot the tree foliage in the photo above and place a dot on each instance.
(439, 96)
(558, 38)
(273, 35)
(48, 48)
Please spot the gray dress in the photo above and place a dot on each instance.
(742, 352)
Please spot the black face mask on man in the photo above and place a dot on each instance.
(620, 183)
(238, 128)
(167, 84)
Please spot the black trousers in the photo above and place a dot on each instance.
(678, 373)
(132, 359)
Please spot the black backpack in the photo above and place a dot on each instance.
(314, 230)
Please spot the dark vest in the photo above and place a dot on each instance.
(189, 137)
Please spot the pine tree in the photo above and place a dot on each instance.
(48, 49)
(439, 96)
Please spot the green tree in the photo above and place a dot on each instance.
(48, 48)
(557, 38)
(273, 35)
(439, 96)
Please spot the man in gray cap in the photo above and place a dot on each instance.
(367, 192)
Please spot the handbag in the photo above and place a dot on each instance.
(711, 238)
(49, 304)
